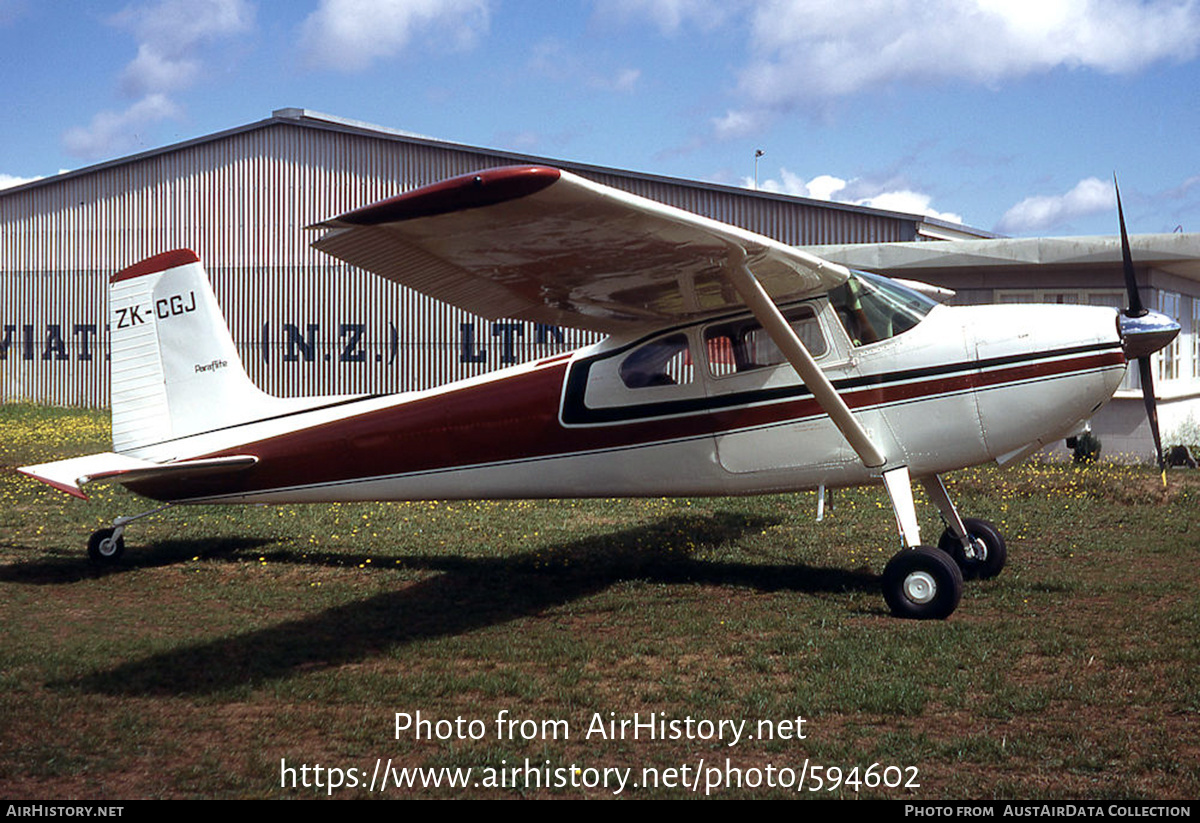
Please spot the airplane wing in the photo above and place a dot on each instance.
(544, 245)
(71, 474)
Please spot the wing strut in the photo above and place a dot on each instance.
(896, 479)
(784, 336)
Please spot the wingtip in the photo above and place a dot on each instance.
(467, 191)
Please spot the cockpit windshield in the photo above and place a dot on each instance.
(874, 308)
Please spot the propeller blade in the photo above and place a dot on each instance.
(1135, 308)
(1144, 367)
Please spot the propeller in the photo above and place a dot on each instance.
(1143, 332)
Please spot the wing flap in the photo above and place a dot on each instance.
(544, 245)
(72, 474)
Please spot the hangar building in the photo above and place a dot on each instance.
(308, 324)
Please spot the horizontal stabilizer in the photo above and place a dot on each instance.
(70, 475)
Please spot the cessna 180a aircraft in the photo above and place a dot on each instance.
(734, 365)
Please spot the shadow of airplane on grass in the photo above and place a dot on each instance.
(72, 568)
(472, 593)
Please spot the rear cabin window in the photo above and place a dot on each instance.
(743, 345)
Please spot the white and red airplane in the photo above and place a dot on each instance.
(734, 365)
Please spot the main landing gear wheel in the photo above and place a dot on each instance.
(922, 583)
(990, 551)
(106, 546)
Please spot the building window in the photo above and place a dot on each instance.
(1195, 330)
(1111, 298)
(1168, 358)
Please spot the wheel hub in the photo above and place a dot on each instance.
(920, 587)
(980, 549)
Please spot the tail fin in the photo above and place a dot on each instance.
(175, 369)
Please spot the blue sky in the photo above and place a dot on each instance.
(1009, 115)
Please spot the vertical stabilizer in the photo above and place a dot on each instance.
(175, 370)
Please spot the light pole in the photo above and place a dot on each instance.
(757, 154)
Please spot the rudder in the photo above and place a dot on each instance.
(175, 369)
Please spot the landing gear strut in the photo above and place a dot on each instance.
(982, 555)
(920, 582)
(976, 545)
(925, 583)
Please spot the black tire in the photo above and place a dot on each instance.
(922, 583)
(103, 549)
(995, 552)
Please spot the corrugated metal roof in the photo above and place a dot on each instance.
(922, 226)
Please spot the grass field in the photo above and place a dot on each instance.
(234, 643)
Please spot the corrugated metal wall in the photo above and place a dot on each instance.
(304, 323)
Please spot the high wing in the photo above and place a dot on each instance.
(544, 245)
(540, 244)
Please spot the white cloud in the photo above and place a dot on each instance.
(561, 62)
(7, 181)
(855, 192)
(152, 71)
(1089, 196)
(350, 34)
(624, 80)
(909, 202)
(810, 50)
(738, 124)
(825, 186)
(116, 132)
(670, 15)
(171, 35)
(1183, 188)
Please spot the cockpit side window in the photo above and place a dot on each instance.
(743, 345)
(666, 361)
(874, 308)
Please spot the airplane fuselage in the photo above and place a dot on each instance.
(963, 386)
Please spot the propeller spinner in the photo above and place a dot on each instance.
(1143, 332)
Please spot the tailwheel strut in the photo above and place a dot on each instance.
(106, 546)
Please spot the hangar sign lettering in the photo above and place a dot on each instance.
(477, 342)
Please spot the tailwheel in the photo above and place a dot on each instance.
(106, 546)
(922, 583)
(988, 553)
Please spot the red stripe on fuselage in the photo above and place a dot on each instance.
(516, 418)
